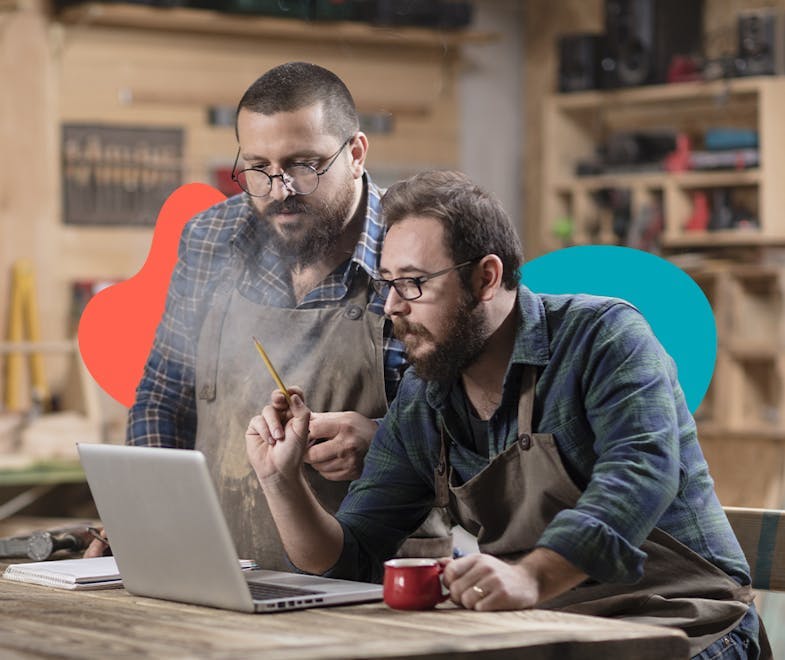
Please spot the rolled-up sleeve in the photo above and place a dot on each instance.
(394, 494)
(164, 411)
(628, 381)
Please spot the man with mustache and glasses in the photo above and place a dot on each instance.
(290, 261)
(551, 426)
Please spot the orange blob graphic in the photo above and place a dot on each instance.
(118, 325)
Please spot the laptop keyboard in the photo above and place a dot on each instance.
(267, 591)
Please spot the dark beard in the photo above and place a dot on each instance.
(324, 224)
(466, 338)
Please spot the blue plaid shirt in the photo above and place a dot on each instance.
(608, 392)
(164, 412)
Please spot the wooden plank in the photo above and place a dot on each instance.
(175, 19)
(748, 468)
(43, 473)
(35, 620)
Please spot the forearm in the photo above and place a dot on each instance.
(552, 573)
(312, 538)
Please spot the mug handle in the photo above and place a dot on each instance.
(445, 591)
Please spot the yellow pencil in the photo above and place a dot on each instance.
(272, 370)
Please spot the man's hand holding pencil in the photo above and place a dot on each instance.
(277, 439)
(337, 441)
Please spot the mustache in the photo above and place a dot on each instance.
(402, 327)
(288, 205)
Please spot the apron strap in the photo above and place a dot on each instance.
(441, 484)
(526, 404)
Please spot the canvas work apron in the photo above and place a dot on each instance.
(335, 355)
(511, 501)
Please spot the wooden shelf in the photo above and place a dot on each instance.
(660, 94)
(723, 179)
(746, 350)
(708, 429)
(43, 473)
(659, 180)
(576, 124)
(722, 238)
(203, 21)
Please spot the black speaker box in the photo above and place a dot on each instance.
(579, 61)
(761, 45)
(643, 36)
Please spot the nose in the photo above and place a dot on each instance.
(395, 305)
(279, 190)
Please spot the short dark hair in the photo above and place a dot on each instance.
(475, 223)
(297, 85)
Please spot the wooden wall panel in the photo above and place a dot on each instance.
(117, 75)
(28, 166)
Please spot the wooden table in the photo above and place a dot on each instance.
(44, 622)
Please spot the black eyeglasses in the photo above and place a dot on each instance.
(410, 288)
(299, 178)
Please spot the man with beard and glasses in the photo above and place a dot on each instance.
(551, 426)
(289, 260)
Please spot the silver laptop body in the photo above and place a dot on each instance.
(171, 541)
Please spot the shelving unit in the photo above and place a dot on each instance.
(575, 124)
(741, 422)
(181, 19)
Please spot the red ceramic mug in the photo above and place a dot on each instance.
(413, 584)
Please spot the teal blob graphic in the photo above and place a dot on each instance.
(672, 303)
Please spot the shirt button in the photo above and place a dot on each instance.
(354, 312)
(525, 441)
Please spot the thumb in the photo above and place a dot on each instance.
(324, 426)
(301, 416)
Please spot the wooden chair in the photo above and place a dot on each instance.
(761, 534)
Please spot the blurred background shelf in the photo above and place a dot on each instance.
(207, 21)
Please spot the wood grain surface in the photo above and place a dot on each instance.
(37, 622)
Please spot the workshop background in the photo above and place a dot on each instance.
(648, 123)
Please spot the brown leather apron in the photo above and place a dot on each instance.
(509, 504)
(334, 354)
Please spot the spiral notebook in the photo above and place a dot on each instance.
(77, 574)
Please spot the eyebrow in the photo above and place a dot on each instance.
(295, 157)
(407, 270)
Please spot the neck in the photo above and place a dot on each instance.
(483, 380)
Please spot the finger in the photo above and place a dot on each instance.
(478, 597)
(302, 417)
(269, 424)
(95, 549)
(456, 568)
(468, 591)
(323, 452)
(279, 401)
(325, 425)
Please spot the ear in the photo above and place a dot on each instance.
(359, 152)
(489, 273)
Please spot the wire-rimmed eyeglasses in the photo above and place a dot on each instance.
(298, 178)
(410, 288)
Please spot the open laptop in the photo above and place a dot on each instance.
(170, 539)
